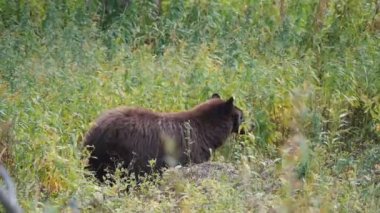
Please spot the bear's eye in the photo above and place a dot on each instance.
(241, 118)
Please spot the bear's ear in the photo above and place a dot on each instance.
(215, 95)
(230, 103)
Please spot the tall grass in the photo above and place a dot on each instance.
(306, 74)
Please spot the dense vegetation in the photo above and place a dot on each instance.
(305, 72)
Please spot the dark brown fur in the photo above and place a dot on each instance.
(134, 136)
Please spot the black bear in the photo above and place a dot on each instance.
(133, 137)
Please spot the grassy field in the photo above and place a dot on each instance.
(305, 73)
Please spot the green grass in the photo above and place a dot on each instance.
(313, 95)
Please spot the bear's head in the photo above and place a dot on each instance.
(237, 114)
